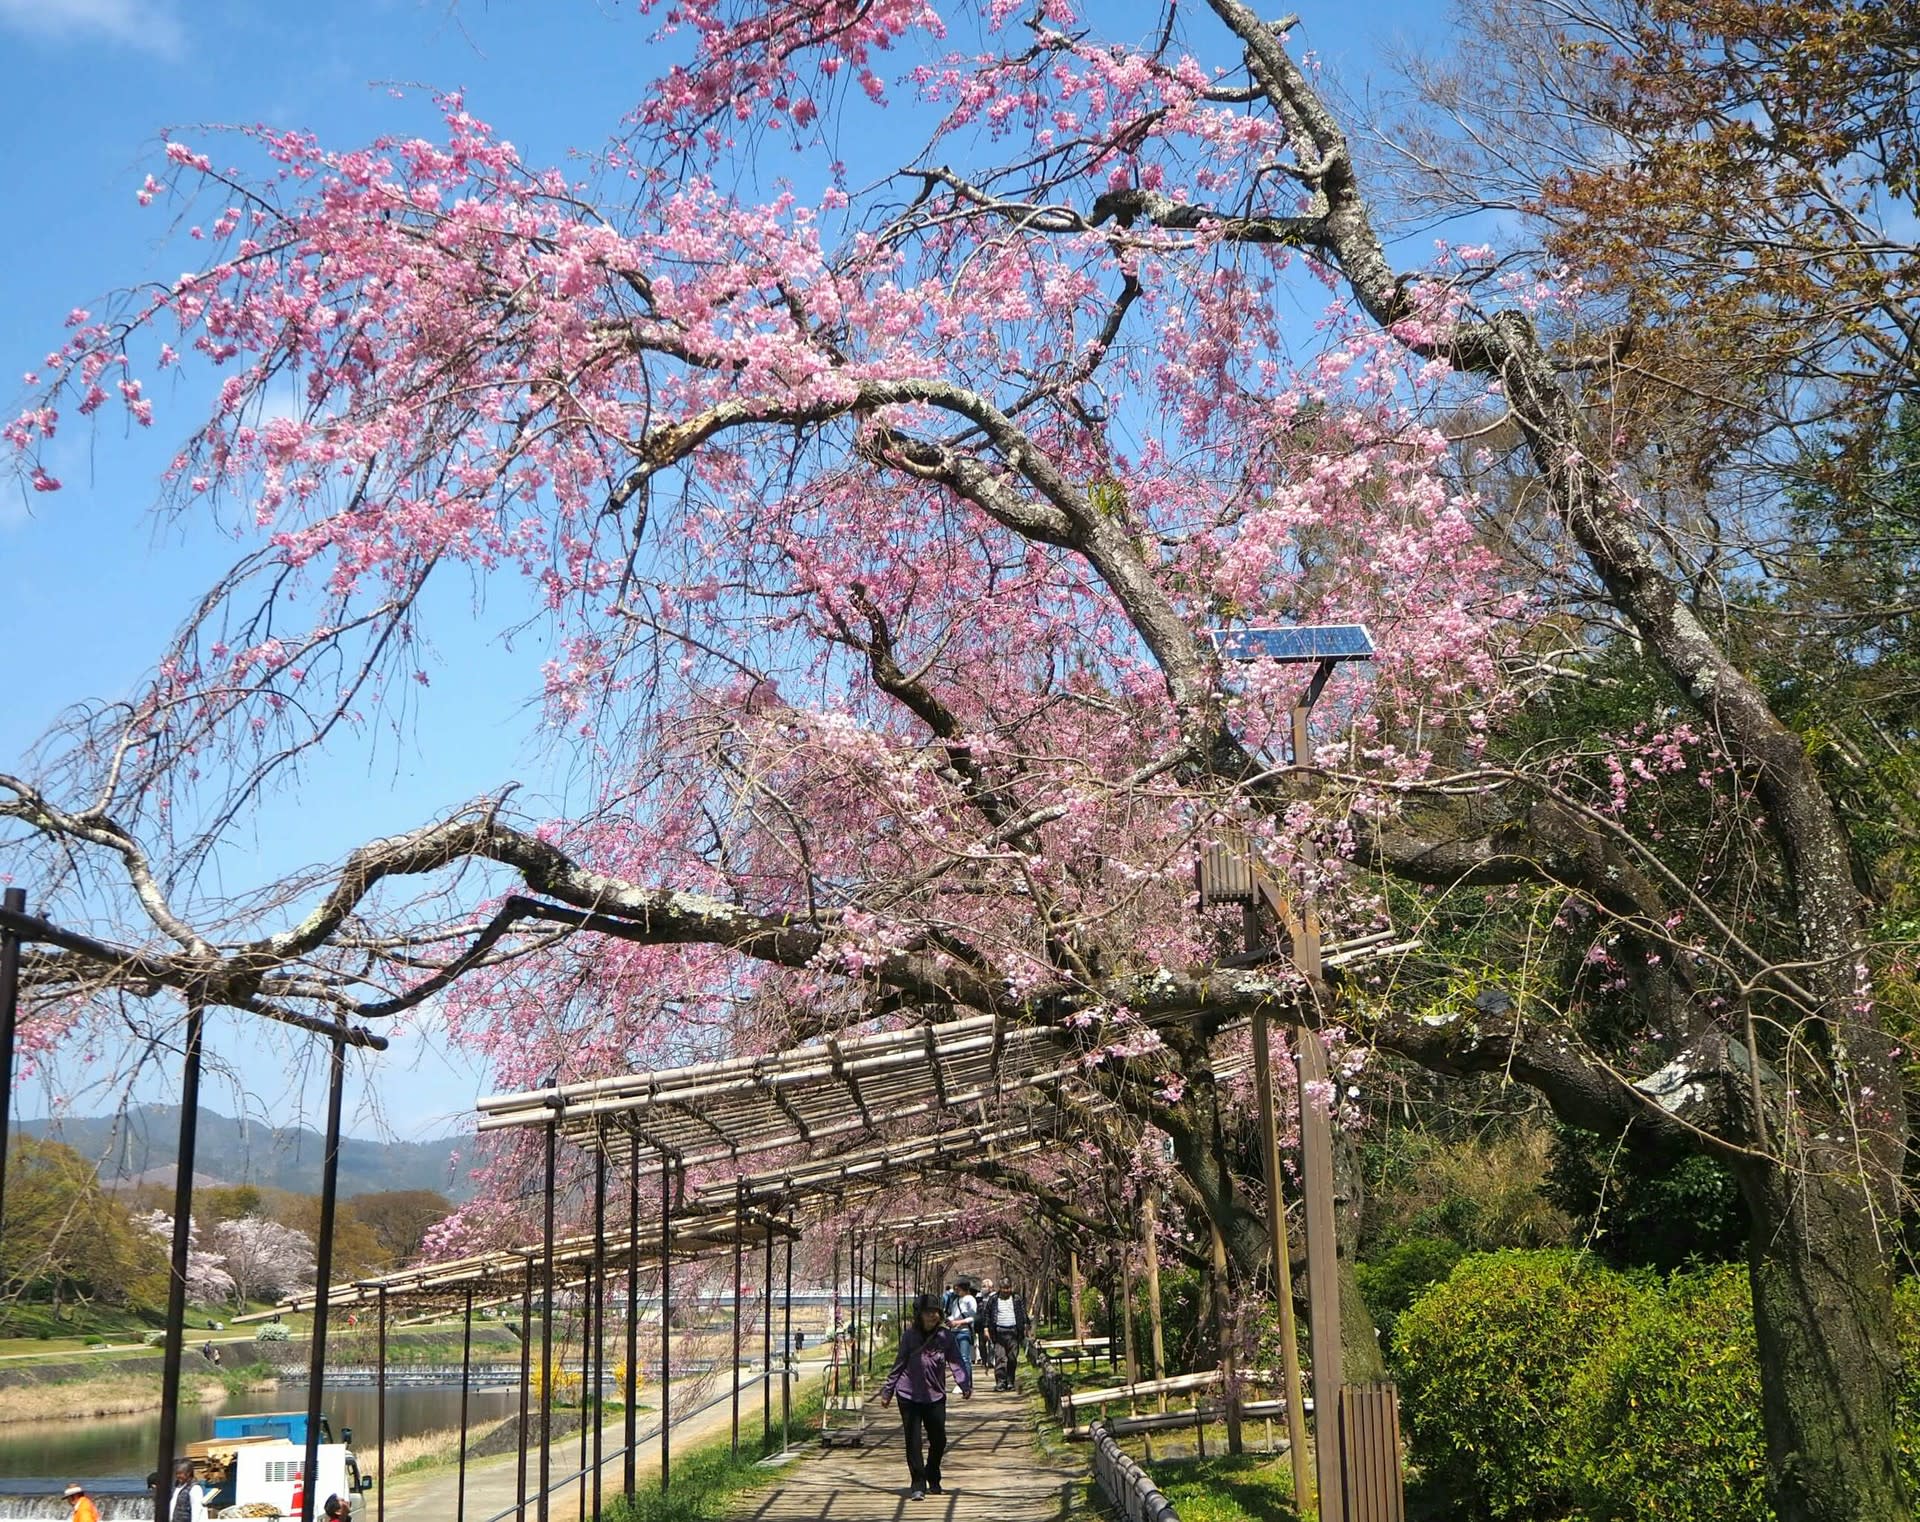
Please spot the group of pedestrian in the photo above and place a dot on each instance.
(938, 1344)
(188, 1502)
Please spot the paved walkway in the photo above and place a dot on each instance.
(992, 1474)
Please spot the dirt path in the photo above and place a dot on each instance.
(492, 1482)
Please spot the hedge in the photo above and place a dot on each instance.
(1666, 1417)
(1487, 1361)
(1541, 1383)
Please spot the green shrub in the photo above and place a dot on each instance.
(1486, 1361)
(1906, 1394)
(273, 1331)
(1665, 1419)
(1402, 1274)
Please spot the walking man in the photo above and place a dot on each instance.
(1005, 1314)
(960, 1316)
(83, 1508)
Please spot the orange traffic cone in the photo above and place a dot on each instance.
(300, 1492)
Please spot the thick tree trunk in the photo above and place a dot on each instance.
(1823, 1311)
(1360, 1357)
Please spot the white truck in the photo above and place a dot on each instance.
(259, 1476)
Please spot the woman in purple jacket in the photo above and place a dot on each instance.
(919, 1378)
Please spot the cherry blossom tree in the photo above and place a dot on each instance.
(263, 1257)
(207, 1278)
(881, 535)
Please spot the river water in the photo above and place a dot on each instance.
(117, 1452)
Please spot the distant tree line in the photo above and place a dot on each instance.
(68, 1242)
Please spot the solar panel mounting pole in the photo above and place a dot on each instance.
(1324, 646)
(1316, 1180)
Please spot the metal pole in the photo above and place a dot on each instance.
(666, 1321)
(1282, 1262)
(853, 1307)
(599, 1310)
(766, 1349)
(323, 1275)
(466, 1371)
(586, 1373)
(182, 1237)
(873, 1305)
(787, 1360)
(631, 1385)
(526, 1390)
(739, 1224)
(380, 1413)
(833, 1338)
(14, 901)
(1079, 1319)
(543, 1504)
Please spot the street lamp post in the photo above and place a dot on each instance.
(1229, 874)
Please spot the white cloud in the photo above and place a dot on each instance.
(148, 25)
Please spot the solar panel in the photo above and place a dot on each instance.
(1309, 642)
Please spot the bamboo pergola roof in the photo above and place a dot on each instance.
(697, 1230)
(976, 1076)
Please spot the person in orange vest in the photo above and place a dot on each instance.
(83, 1508)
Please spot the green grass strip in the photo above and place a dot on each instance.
(708, 1477)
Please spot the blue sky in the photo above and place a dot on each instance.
(91, 583)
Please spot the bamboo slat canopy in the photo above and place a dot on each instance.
(976, 1073)
(697, 1232)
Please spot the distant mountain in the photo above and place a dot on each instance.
(141, 1145)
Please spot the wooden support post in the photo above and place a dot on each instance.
(1073, 1289)
(1316, 1182)
(1282, 1261)
(1323, 1273)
